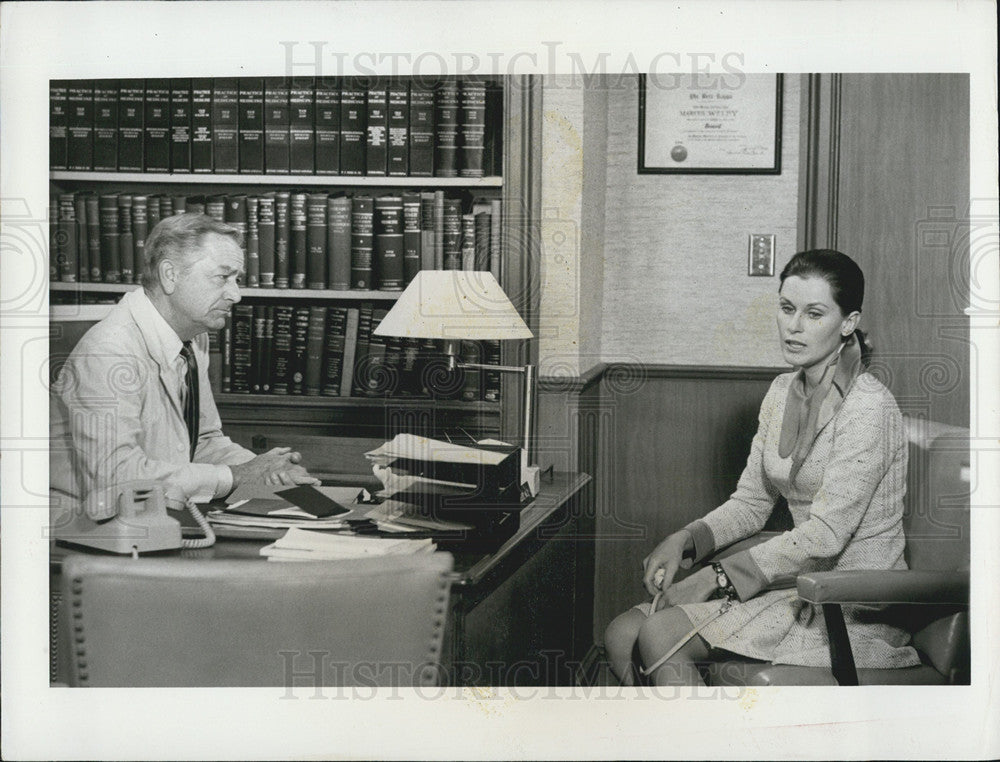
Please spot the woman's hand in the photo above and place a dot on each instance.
(694, 589)
(669, 556)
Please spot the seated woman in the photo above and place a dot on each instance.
(830, 440)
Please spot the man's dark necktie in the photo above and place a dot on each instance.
(191, 411)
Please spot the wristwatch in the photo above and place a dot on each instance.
(725, 587)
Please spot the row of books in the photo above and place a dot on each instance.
(277, 125)
(291, 239)
(330, 351)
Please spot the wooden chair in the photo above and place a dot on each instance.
(930, 600)
(185, 623)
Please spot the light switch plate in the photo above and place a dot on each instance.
(760, 259)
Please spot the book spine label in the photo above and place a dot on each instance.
(265, 228)
(302, 97)
(362, 241)
(389, 243)
(411, 236)
(66, 250)
(452, 227)
(472, 120)
(333, 351)
(126, 249)
(267, 351)
(94, 237)
(131, 125)
(316, 240)
(140, 229)
(398, 159)
(251, 125)
(201, 125)
(314, 350)
(282, 236)
(468, 242)
(282, 349)
(299, 246)
(327, 126)
(253, 243)
(157, 126)
(225, 125)
(376, 155)
(106, 125)
(300, 350)
(257, 369)
(109, 238)
(277, 151)
(446, 104)
(338, 242)
(353, 124)
(180, 126)
(242, 348)
(427, 230)
(421, 134)
(80, 125)
(58, 113)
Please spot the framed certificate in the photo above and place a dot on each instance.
(707, 124)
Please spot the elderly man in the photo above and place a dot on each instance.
(133, 400)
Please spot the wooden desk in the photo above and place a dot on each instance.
(520, 615)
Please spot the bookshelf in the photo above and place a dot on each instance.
(247, 415)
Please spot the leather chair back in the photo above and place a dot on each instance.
(187, 623)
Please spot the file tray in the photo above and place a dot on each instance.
(464, 520)
(493, 485)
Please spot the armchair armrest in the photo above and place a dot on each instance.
(903, 586)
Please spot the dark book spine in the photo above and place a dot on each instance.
(215, 344)
(421, 134)
(373, 372)
(468, 242)
(131, 125)
(446, 105)
(215, 207)
(106, 125)
(439, 230)
(482, 242)
(353, 124)
(82, 250)
(154, 211)
(376, 149)
(180, 125)
(80, 125)
(94, 237)
(389, 243)
(300, 350)
(66, 252)
(282, 236)
(496, 227)
(411, 236)
(166, 206)
(126, 247)
(302, 98)
(333, 351)
(53, 212)
(196, 204)
(257, 368)
(267, 351)
(227, 355)
(253, 243)
(316, 240)
(471, 377)
(452, 220)
(362, 241)
(410, 369)
(251, 125)
(328, 126)
(225, 125)
(201, 125)
(299, 247)
(491, 378)
(281, 353)
(157, 126)
(58, 113)
(236, 215)
(472, 125)
(242, 348)
(314, 350)
(359, 382)
(277, 155)
(392, 365)
(398, 161)
(350, 352)
(427, 230)
(338, 242)
(265, 227)
(140, 229)
(110, 263)
(493, 150)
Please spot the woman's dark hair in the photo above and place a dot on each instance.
(847, 283)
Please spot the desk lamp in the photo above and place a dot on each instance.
(456, 305)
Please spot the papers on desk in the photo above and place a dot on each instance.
(303, 545)
(412, 447)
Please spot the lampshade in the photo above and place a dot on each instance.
(453, 304)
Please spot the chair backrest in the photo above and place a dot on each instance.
(185, 623)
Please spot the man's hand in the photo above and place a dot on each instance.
(669, 556)
(279, 465)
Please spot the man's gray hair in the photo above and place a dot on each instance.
(178, 237)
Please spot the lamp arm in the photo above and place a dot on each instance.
(528, 400)
(485, 366)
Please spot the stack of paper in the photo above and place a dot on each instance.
(303, 545)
